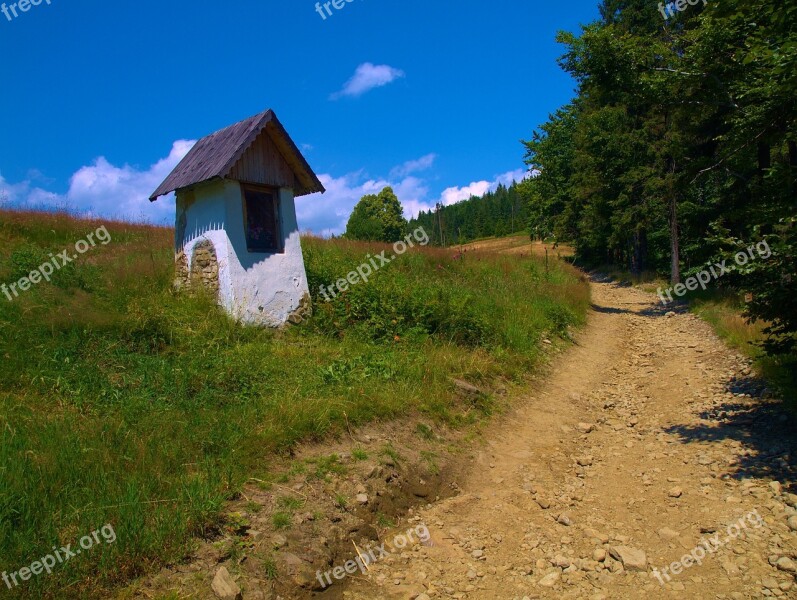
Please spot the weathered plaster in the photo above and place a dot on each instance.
(257, 288)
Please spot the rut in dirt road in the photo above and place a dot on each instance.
(651, 464)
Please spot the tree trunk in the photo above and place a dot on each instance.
(764, 157)
(675, 251)
(639, 257)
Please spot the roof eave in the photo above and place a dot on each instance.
(268, 122)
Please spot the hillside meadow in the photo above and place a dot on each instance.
(124, 403)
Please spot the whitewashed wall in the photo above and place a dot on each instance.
(254, 288)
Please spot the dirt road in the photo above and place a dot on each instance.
(650, 442)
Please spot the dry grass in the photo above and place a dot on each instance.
(518, 245)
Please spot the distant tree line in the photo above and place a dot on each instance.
(497, 213)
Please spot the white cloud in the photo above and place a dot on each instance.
(510, 176)
(104, 190)
(413, 166)
(368, 77)
(453, 195)
(328, 213)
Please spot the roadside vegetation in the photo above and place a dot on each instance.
(123, 403)
(724, 310)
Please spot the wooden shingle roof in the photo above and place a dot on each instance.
(214, 156)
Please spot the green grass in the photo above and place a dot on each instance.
(424, 431)
(327, 465)
(290, 503)
(124, 403)
(270, 568)
(281, 520)
(359, 454)
(391, 453)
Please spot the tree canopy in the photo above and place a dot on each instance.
(377, 218)
(496, 213)
(680, 147)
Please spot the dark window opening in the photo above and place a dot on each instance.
(261, 220)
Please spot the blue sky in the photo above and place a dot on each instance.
(101, 99)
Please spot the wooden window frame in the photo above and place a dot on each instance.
(280, 248)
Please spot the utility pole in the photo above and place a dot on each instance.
(440, 223)
(546, 263)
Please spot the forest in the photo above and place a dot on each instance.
(498, 213)
(679, 149)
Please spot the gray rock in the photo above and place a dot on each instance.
(563, 519)
(769, 582)
(632, 559)
(599, 554)
(224, 587)
(792, 523)
(786, 564)
(551, 579)
(560, 561)
(467, 388)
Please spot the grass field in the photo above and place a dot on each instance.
(519, 245)
(126, 404)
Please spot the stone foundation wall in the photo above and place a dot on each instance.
(304, 311)
(204, 271)
(205, 268)
(181, 275)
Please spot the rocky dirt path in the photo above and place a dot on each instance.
(649, 442)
